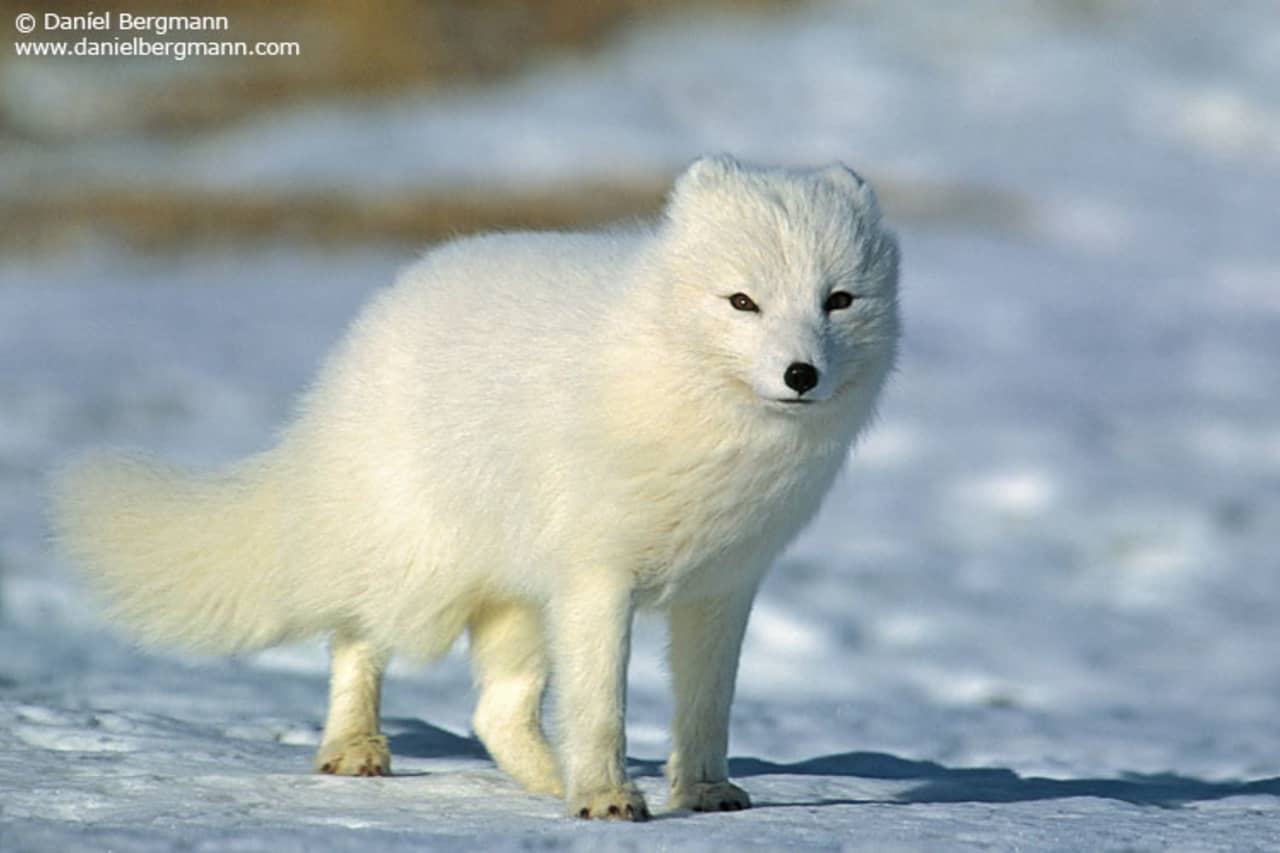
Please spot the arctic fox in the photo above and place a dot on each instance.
(525, 438)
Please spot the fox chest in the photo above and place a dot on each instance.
(688, 526)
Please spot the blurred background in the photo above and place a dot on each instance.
(1065, 520)
(406, 121)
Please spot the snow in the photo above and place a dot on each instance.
(1036, 613)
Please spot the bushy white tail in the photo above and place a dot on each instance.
(185, 561)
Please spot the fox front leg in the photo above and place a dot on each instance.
(590, 641)
(706, 638)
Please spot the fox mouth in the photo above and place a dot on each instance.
(795, 401)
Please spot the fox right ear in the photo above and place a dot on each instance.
(697, 181)
(846, 179)
(707, 171)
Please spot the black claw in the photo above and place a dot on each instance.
(614, 811)
(585, 813)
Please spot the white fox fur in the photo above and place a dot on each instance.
(526, 438)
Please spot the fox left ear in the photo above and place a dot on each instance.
(840, 175)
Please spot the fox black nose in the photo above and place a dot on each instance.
(800, 376)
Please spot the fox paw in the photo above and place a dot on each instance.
(709, 797)
(621, 803)
(363, 755)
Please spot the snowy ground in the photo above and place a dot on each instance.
(1036, 613)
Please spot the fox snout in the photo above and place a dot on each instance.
(801, 376)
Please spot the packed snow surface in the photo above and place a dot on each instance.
(1038, 611)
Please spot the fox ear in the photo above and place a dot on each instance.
(707, 171)
(697, 182)
(841, 176)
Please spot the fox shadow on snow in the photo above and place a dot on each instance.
(937, 783)
(941, 784)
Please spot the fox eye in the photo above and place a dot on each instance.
(838, 301)
(743, 302)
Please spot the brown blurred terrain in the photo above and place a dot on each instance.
(353, 49)
(348, 51)
(159, 219)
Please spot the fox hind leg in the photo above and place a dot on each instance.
(509, 663)
(352, 744)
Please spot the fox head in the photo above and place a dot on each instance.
(786, 282)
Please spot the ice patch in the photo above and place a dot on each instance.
(1226, 122)
(1088, 223)
(71, 740)
(904, 629)
(780, 632)
(888, 445)
(1252, 285)
(1020, 493)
